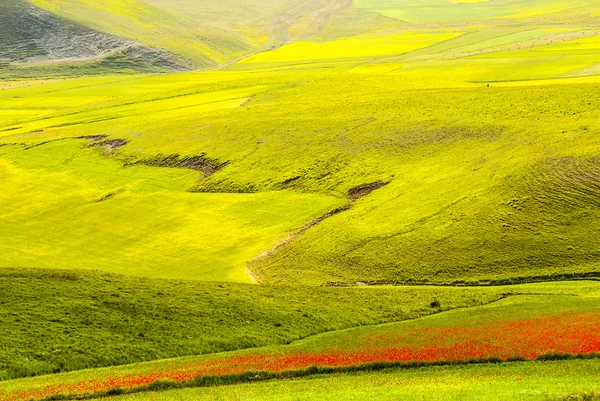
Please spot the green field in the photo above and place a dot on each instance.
(454, 11)
(118, 214)
(544, 317)
(59, 320)
(200, 187)
(516, 381)
(474, 205)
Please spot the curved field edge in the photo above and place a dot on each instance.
(535, 380)
(90, 211)
(64, 320)
(533, 326)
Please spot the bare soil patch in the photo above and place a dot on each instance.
(202, 163)
(109, 145)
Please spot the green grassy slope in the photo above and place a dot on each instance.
(208, 33)
(165, 322)
(468, 200)
(93, 213)
(195, 41)
(475, 125)
(275, 22)
(542, 381)
(62, 320)
(511, 310)
(501, 11)
(484, 183)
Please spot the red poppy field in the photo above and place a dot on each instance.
(517, 327)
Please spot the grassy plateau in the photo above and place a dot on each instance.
(299, 200)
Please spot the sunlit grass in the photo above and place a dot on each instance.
(568, 305)
(517, 381)
(85, 211)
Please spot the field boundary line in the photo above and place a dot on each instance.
(262, 376)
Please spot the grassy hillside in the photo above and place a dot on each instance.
(502, 11)
(483, 183)
(93, 213)
(36, 43)
(25, 27)
(516, 381)
(208, 33)
(59, 320)
(222, 218)
(536, 320)
(198, 44)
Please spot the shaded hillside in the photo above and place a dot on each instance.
(32, 36)
(198, 42)
(210, 34)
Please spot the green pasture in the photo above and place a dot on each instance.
(149, 321)
(65, 320)
(541, 381)
(477, 122)
(360, 47)
(206, 34)
(447, 56)
(484, 183)
(85, 211)
(155, 26)
(506, 310)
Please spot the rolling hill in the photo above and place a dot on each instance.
(36, 42)
(462, 201)
(277, 189)
(207, 34)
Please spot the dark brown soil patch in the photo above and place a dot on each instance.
(106, 197)
(364, 189)
(200, 163)
(10, 129)
(109, 145)
(93, 138)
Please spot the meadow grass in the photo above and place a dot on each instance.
(512, 309)
(352, 48)
(93, 213)
(206, 34)
(484, 183)
(63, 320)
(532, 303)
(480, 135)
(153, 26)
(546, 380)
(476, 11)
